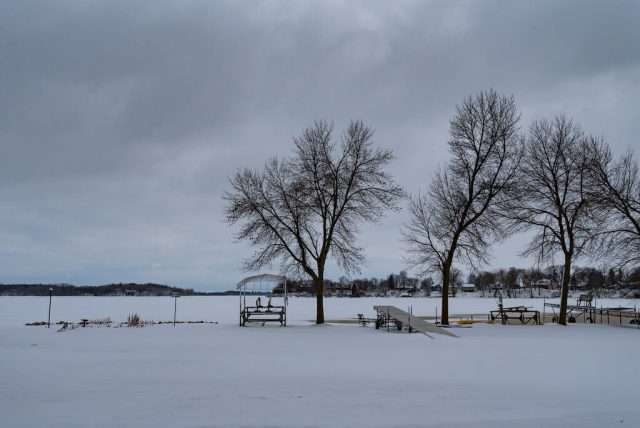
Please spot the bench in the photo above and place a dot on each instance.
(585, 300)
(364, 321)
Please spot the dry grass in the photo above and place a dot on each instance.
(468, 322)
(133, 320)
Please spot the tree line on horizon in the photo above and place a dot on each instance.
(556, 182)
(150, 289)
(511, 282)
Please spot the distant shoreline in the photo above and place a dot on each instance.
(115, 289)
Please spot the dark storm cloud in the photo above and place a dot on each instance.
(120, 121)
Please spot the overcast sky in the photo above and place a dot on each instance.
(121, 121)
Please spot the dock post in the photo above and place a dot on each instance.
(388, 318)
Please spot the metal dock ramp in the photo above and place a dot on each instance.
(408, 320)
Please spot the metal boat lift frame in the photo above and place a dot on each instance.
(254, 286)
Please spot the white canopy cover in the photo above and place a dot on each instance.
(265, 277)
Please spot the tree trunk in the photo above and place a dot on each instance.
(446, 276)
(566, 278)
(319, 302)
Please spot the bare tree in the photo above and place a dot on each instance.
(614, 187)
(302, 210)
(551, 197)
(457, 219)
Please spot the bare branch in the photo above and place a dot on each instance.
(614, 187)
(457, 220)
(305, 209)
(550, 196)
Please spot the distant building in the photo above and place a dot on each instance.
(543, 283)
(468, 288)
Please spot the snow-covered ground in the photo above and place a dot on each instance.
(221, 375)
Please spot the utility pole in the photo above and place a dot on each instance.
(175, 296)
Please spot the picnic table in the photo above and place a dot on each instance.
(524, 314)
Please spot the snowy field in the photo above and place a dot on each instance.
(221, 375)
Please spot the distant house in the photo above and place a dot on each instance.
(130, 292)
(468, 288)
(358, 293)
(543, 283)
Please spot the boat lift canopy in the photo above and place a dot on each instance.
(259, 279)
(262, 312)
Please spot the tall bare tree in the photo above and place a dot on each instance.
(457, 219)
(551, 198)
(302, 210)
(614, 186)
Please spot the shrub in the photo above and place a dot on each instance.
(133, 320)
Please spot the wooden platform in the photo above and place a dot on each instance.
(404, 319)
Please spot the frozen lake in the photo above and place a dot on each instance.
(221, 375)
(20, 310)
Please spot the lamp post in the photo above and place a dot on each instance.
(49, 318)
(175, 296)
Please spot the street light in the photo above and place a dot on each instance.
(175, 296)
(49, 318)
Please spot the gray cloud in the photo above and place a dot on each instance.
(120, 121)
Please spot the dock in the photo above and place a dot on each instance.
(403, 319)
(590, 314)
